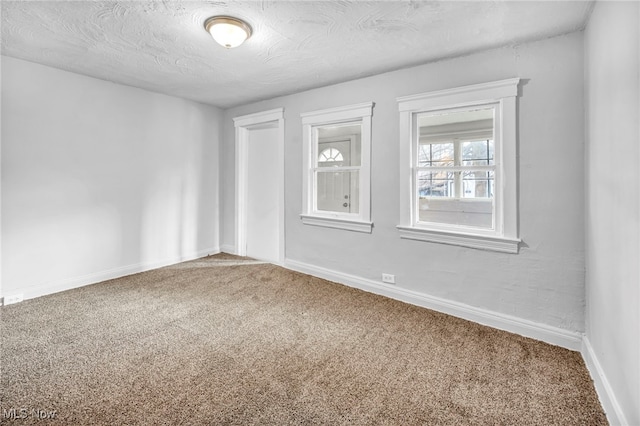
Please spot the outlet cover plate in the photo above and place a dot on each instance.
(388, 278)
(16, 298)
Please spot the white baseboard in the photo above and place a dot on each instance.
(75, 282)
(227, 248)
(609, 402)
(553, 335)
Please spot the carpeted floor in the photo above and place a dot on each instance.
(226, 340)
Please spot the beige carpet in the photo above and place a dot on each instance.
(225, 340)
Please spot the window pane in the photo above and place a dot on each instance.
(339, 146)
(477, 153)
(476, 213)
(443, 118)
(436, 154)
(337, 191)
(454, 140)
(477, 184)
(435, 184)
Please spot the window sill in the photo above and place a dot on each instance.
(338, 223)
(482, 242)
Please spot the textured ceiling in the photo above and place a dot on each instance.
(162, 46)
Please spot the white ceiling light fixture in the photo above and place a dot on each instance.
(228, 31)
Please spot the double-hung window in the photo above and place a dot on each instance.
(455, 168)
(336, 177)
(458, 151)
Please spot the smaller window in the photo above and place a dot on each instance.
(336, 176)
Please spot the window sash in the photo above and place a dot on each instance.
(354, 183)
(457, 169)
(456, 188)
(318, 168)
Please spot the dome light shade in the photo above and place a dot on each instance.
(228, 31)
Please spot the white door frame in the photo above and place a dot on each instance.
(267, 119)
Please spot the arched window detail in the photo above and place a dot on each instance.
(330, 155)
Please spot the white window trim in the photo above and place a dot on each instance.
(360, 222)
(504, 238)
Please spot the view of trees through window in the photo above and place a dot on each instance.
(442, 176)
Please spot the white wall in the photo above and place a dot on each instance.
(612, 44)
(100, 180)
(544, 283)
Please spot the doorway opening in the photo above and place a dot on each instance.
(260, 185)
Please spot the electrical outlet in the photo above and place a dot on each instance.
(388, 278)
(9, 300)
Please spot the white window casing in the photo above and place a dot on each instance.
(503, 235)
(311, 121)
